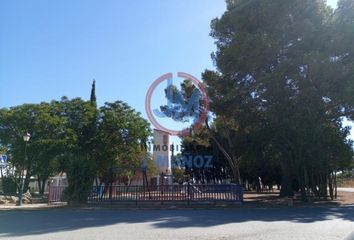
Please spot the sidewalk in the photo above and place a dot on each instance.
(36, 206)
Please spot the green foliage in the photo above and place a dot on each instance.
(346, 178)
(152, 169)
(44, 126)
(283, 84)
(80, 177)
(8, 186)
(346, 175)
(122, 137)
(178, 175)
(93, 93)
(73, 136)
(77, 152)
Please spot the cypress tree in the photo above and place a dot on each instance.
(93, 93)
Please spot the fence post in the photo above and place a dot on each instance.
(49, 196)
(136, 195)
(188, 191)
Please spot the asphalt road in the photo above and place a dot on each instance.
(224, 224)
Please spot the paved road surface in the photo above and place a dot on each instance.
(222, 224)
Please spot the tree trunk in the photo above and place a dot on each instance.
(330, 185)
(39, 184)
(233, 161)
(335, 184)
(236, 174)
(324, 187)
(307, 186)
(286, 186)
(27, 181)
(302, 184)
(42, 188)
(110, 191)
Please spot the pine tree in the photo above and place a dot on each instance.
(283, 82)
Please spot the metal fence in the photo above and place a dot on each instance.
(56, 194)
(189, 193)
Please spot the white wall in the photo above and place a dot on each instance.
(162, 151)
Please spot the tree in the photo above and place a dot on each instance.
(122, 137)
(42, 149)
(74, 137)
(78, 131)
(282, 78)
(93, 93)
(45, 143)
(202, 143)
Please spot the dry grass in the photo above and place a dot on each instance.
(272, 199)
(345, 198)
(348, 183)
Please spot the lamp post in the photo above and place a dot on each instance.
(144, 167)
(26, 138)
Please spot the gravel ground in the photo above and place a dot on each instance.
(346, 189)
(224, 224)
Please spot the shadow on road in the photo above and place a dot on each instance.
(20, 223)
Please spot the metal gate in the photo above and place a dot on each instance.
(56, 194)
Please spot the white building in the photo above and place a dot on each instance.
(162, 154)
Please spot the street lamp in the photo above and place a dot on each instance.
(26, 138)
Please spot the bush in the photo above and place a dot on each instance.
(346, 175)
(178, 175)
(81, 174)
(345, 179)
(8, 186)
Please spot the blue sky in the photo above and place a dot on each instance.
(50, 49)
(332, 3)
